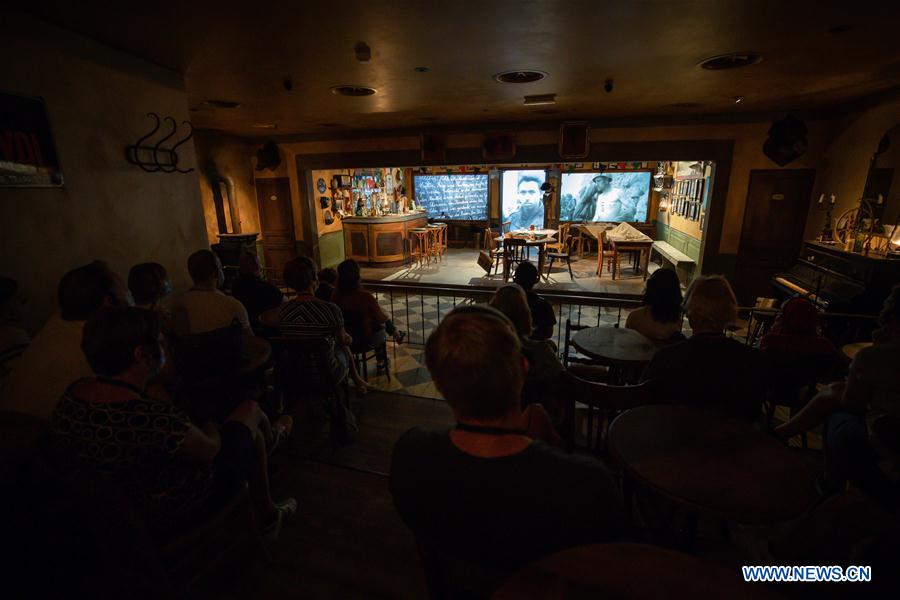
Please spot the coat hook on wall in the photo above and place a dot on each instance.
(156, 157)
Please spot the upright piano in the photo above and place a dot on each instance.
(839, 281)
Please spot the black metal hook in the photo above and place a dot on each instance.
(180, 142)
(132, 151)
(158, 145)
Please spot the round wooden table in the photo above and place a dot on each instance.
(851, 350)
(711, 463)
(627, 571)
(614, 345)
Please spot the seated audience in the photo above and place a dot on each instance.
(856, 409)
(709, 369)
(110, 425)
(543, 319)
(13, 337)
(149, 283)
(54, 359)
(327, 280)
(795, 332)
(205, 308)
(351, 298)
(485, 492)
(306, 317)
(544, 367)
(252, 291)
(659, 317)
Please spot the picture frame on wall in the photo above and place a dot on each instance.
(499, 145)
(28, 156)
(574, 140)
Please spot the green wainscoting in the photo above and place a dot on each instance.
(681, 241)
(331, 249)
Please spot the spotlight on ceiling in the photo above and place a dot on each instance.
(421, 69)
(732, 60)
(521, 76)
(352, 90)
(264, 126)
(540, 99)
(738, 99)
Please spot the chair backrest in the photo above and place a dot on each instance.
(600, 400)
(563, 232)
(355, 326)
(490, 244)
(505, 226)
(303, 366)
(567, 344)
(515, 248)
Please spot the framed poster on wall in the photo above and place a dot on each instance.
(27, 155)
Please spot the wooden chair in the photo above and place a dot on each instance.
(493, 249)
(605, 252)
(419, 241)
(567, 357)
(363, 352)
(561, 239)
(515, 252)
(602, 401)
(583, 240)
(563, 254)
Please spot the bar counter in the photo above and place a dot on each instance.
(380, 241)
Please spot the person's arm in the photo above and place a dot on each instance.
(241, 315)
(200, 446)
(858, 390)
(377, 312)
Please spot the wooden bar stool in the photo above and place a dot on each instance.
(419, 245)
(434, 241)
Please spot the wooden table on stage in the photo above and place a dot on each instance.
(711, 463)
(621, 245)
(851, 350)
(626, 571)
(539, 238)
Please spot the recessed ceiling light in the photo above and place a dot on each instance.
(732, 60)
(540, 99)
(738, 99)
(521, 76)
(223, 103)
(352, 90)
(421, 69)
(264, 125)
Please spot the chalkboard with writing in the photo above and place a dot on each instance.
(453, 197)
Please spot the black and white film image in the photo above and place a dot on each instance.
(604, 197)
(522, 198)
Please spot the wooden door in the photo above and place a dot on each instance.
(276, 220)
(772, 232)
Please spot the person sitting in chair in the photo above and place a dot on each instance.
(204, 308)
(351, 298)
(308, 318)
(543, 319)
(114, 426)
(256, 294)
(709, 369)
(659, 316)
(486, 492)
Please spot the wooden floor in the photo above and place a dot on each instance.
(346, 540)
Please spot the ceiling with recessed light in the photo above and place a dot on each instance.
(435, 62)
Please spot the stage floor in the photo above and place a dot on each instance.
(459, 267)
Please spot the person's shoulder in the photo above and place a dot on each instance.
(418, 446)
(580, 470)
(419, 438)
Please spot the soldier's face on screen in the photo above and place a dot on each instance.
(528, 194)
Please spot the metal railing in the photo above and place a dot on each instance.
(417, 308)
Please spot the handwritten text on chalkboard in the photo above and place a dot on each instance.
(453, 197)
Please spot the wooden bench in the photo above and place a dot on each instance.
(683, 264)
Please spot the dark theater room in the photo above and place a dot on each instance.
(450, 300)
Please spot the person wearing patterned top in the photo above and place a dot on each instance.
(112, 425)
(306, 317)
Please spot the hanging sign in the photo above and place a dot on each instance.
(27, 155)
